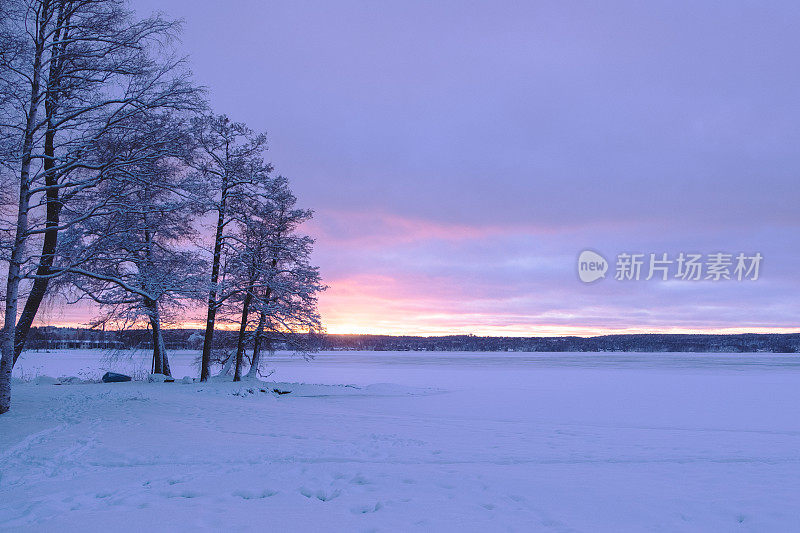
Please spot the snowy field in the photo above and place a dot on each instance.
(419, 442)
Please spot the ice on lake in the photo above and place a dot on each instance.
(450, 442)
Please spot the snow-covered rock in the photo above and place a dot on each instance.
(114, 377)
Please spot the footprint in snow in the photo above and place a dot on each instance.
(321, 495)
(364, 509)
(250, 495)
(184, 494)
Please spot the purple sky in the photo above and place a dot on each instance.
(460, 155)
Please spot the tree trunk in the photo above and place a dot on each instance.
(52, 96)
(160, 360)
(205, 363)
(12, 292)
(227, 365)
(253, 372)
(39, 288)
(164, 357)
(208, 338)
(237, 374)
(18, 248)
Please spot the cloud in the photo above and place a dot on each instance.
(460, 155)
(508, 281)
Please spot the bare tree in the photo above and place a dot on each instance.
(69, 71)
(230, 162)
(277, 279)
(252, 264)
(25, 58)
(137, 259)
(101, 72)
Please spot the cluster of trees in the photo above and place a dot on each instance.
(112, 164)
(738, 343)
(48, 337)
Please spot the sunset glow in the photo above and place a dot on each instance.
(459, 205)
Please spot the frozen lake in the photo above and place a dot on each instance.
(460, 442)
(408, 367)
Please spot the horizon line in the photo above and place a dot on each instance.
(586, 333)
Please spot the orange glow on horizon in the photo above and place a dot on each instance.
(382, 305)
(538, 330)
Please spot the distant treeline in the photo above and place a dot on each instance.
(51, 337)
(748, 342)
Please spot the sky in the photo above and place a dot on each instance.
(460, 155)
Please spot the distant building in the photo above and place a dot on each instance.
(84, 344)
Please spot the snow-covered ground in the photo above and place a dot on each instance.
(458, 442)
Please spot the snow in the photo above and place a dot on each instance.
(408, 442)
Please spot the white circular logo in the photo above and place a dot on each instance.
(591, 266)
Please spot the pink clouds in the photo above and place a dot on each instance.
(383, 305)
(394, 275)
(375, 229)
